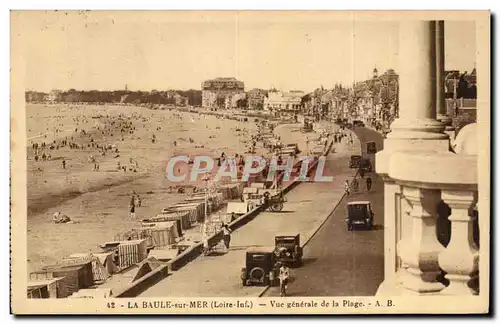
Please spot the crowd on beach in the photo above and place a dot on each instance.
(92, 141)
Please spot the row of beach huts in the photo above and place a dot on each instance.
(131, 254)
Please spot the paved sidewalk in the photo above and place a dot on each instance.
(308, 206)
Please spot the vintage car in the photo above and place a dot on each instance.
(287, 249)
(274, 202)
(359, 214)
(371, 147)
(354, 161)
(260, 268)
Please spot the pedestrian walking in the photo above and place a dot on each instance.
(355, 184)
(284, 275)
(132, 208)
(347, 187)
(63, 164)
(361, 173)
(226, 235)
(368, 183)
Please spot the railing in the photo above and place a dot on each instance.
(436, 229)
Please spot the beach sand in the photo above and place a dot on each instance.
(98, 200)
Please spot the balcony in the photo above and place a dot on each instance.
(431, 187)
(434, 229)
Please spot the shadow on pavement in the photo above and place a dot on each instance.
(244, 247)
(308, 261)
(215, 254)
(285, 212)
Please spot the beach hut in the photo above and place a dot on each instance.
(160, 234)
(231, 190)
(200, 209)
(173, 214)
(131, 252)
(76, 277)
(47, 288)
(187, 214)
(159, 219)
(99, 272)
(106, 259)
(201, 201)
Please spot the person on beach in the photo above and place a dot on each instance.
(132, 207)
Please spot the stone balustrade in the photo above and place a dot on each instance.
(436, 248)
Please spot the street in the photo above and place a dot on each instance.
(342, 263)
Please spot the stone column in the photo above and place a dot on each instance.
(391, 224)
(419, 251)
(442, 112)
(460, 259)
(417, 84)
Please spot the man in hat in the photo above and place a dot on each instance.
(284, 275)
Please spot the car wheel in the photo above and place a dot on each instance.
(243, 282)
(349, 227)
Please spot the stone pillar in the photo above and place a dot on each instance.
(442, 113)
(417, 84)
(391, 223)
(460, 259)
(419, 251)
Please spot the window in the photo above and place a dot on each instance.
(258, 257)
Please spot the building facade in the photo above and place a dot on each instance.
(256, 99)
(281, 103)
(218, 93)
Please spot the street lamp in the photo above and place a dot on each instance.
(206, 179)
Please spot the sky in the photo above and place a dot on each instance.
(160, 50)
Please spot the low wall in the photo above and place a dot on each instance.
(143, 283)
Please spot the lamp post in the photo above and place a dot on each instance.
(206, 178)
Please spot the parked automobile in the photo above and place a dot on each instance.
(288, 249)
(260, 267)
(354, 161)
(359, 214)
